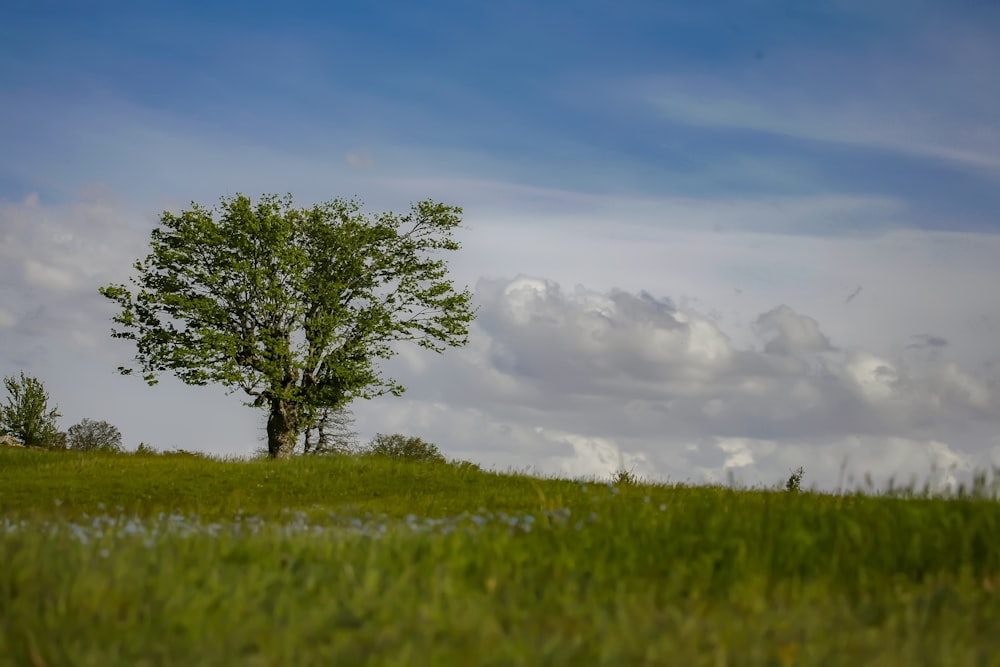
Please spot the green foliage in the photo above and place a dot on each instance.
(26, 415)
(624, 477)
(293, 306)
(407, 448)
(794, 483)
(89, 436)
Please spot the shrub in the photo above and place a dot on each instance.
(465, 465)
(404, 447)
(185, 453)
(794, 483)
(624, 478)
(146, 450)
(92, 436)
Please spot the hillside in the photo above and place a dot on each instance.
(131, 560)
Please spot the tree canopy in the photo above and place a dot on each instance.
(293, 306)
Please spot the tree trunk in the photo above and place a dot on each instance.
(282, 429)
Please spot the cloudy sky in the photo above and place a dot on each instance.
(706, 243)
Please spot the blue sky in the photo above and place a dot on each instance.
(745, 98)
(731, 159)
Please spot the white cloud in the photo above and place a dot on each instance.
(615, 374)
(52, 261)
(37, 274)
(738, 452)
(593, 457)
(921, 93)
(863, 117)
(734, 104)
(789, 333)
(875, 378)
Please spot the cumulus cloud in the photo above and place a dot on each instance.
(593, 457)
(589, 343)
(597, 380)
(790, 333)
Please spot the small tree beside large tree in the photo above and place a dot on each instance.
(26, 415)
(332, 433)
(293, 306)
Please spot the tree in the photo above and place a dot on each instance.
(409, 448)
(292, 306)
(89, 436)
(26, 415)
(334, 430)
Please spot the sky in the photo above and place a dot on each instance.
(709, 242)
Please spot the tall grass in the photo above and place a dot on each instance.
(117, 559)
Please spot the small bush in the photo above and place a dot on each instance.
(794, 483)
(624, 478)
(465, 465)
(404, 447)
(91, 436)
(185, 453)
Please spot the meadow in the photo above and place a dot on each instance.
(120, 559)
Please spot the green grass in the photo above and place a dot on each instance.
(164, 560)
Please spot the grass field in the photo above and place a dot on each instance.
(175, 560)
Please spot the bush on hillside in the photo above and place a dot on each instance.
(94, 436)
(794, 483)
(464, 465)
(185, 454)
(408, 448)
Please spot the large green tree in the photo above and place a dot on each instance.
(293, 306)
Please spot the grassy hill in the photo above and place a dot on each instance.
(172, 559)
